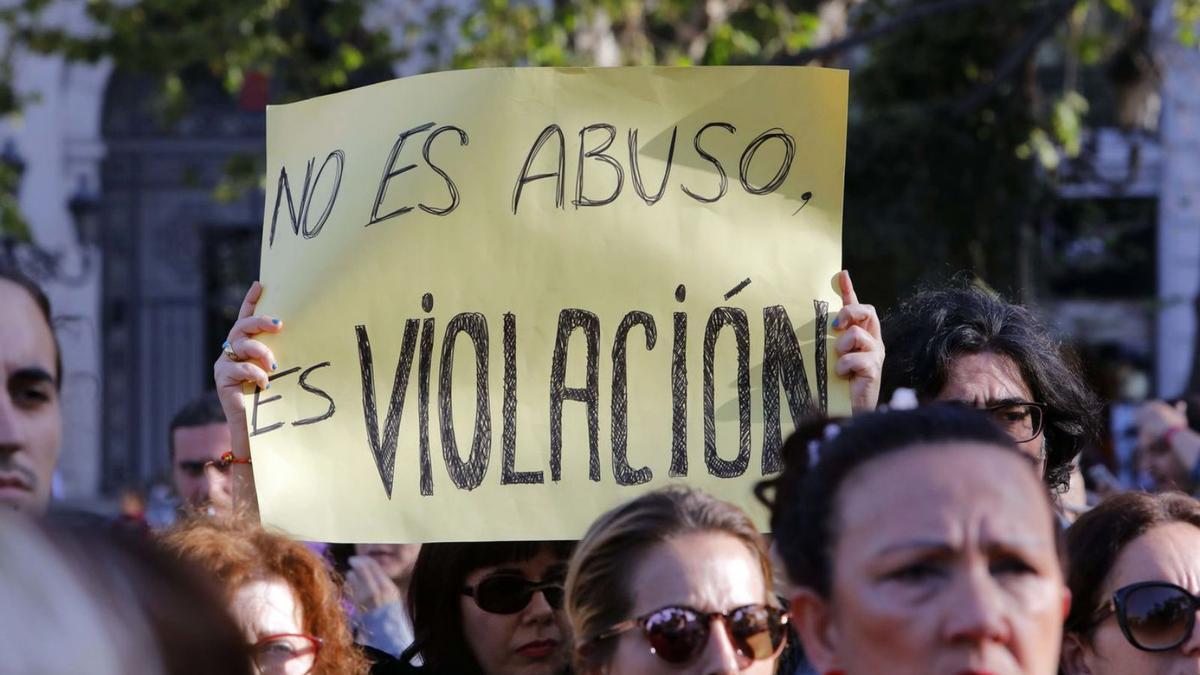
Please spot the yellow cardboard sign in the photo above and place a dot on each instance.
(515, 298)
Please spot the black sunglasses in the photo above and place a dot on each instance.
(510, 593)
(1155, 616)
(677, 634)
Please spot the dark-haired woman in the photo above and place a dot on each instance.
(922, 543)
(1135, 575)
(489, 608)
(968, 345)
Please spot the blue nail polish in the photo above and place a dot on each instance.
(275, 321)
(274, 366)
(835, 322)
(268, 385)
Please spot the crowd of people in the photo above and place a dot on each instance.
(948, 531)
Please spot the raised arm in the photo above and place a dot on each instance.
(244, 359)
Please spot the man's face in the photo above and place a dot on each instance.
(30, 416)
(987, 379)
(202, 486)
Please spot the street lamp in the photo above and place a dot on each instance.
(36, 261)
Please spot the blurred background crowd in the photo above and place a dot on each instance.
(1044, 153)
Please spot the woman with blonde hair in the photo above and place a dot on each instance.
(675, 581)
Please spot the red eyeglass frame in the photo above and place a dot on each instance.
(315, 641)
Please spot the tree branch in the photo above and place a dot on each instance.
(1008, 67)
(911, 16)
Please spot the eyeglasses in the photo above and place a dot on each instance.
(286, 654)
(677, 634)
(1023, 420)
(511, 593)
(1155, 616)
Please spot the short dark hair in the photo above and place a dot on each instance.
(932, 328)
(802, 499)
(10, 272)
(1096, 540)
(201, 411)
(438, 577)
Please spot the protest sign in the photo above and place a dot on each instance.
(514, 298)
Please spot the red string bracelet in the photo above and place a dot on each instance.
(228, 458)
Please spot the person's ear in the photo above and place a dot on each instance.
(814, 623)
(1074, 655)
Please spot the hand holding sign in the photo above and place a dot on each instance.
(244, 360)
(247, 359)
(860, 347)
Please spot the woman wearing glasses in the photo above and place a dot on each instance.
(280, 593)
(489, 608)
(921, 542)
(1135, 573)
(674, 581)
(968, 345)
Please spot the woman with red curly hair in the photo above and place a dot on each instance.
(280, 592)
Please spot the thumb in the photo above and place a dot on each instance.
(846, 289)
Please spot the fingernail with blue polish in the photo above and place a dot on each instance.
(268, 385)
(835, 322)
(275, 321)
(274, 366)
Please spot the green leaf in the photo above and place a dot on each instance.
(1121, 7)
